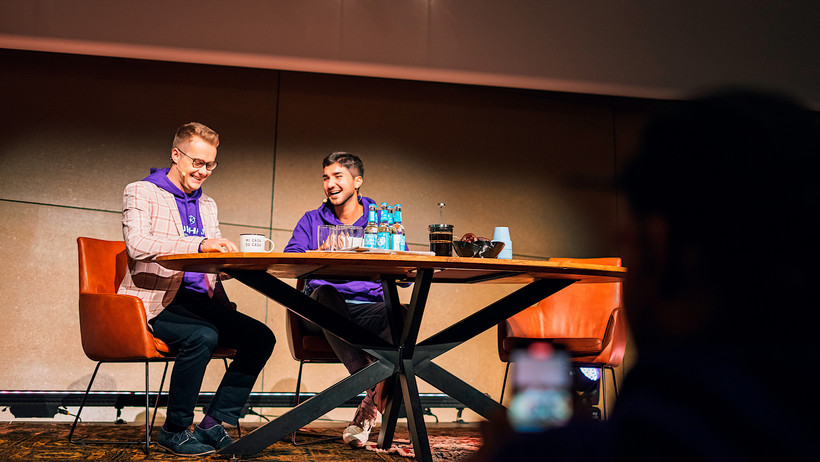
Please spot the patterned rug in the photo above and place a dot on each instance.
(27, 441)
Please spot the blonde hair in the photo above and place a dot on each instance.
(192, 129)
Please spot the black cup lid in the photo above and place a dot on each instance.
(441, 227)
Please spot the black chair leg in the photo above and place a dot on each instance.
(82, 404)
(149, 425)
(504, 384)
(614, 380)
(603, 393)
(150, 429)
(298, 384)
(611, 370)
(603, 386)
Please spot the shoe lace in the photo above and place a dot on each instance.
(184, 436)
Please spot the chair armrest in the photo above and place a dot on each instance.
(614, 341)
(114, 328)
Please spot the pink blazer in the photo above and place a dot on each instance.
(151, 227)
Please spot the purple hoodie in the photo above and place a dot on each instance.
(304, 239)
(188, 206)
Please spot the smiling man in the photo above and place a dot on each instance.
(361, 301)
(167, 213)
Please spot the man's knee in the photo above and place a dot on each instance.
(203, 338)
(265, 340)
(330, 297)
(324, 291)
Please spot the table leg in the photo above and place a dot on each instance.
(308, 308)
(415, 414)
(496, 312)
(406, 345)
(309, 410)
(407, 359)
(460, 390)
(421, 288)
(390, 416)
(395, 313)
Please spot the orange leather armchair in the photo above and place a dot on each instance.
(587, 320)
(114, 327)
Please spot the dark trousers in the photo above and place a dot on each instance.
(371, 316)
(195, 324)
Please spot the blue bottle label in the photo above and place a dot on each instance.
(383, 241)
(370, 241)
(398, 242)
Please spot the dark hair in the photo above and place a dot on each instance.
(346, 160)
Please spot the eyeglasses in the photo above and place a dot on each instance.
(199, 163)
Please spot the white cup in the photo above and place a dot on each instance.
(254, 243)
(502, 233)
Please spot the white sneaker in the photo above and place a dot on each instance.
(356, 434)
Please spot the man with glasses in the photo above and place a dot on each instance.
(167, 213)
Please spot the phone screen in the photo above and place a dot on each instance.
(541, 387)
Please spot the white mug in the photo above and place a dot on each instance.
(254, 243)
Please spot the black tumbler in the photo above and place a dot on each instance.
(441, 240)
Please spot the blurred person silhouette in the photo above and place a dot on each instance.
(720, 245)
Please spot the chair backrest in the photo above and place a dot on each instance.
(102, 265)
(113, 327)
(306, 340)
(580, 311)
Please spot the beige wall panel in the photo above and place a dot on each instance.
(496, 158)
(40, 332)
(40, 296)
(79, 129)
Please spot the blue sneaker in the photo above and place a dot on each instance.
(215, 436)
(183, 443)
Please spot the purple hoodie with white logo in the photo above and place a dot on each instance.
(188, 206)
(305, 238)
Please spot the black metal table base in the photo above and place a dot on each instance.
(404, 357)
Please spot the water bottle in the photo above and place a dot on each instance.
(383, 235)
(372, 229)
(398, 229)
(390, 225)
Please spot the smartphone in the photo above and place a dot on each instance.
(542, 397)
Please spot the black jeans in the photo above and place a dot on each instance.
(371, 316)
(195, 324)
